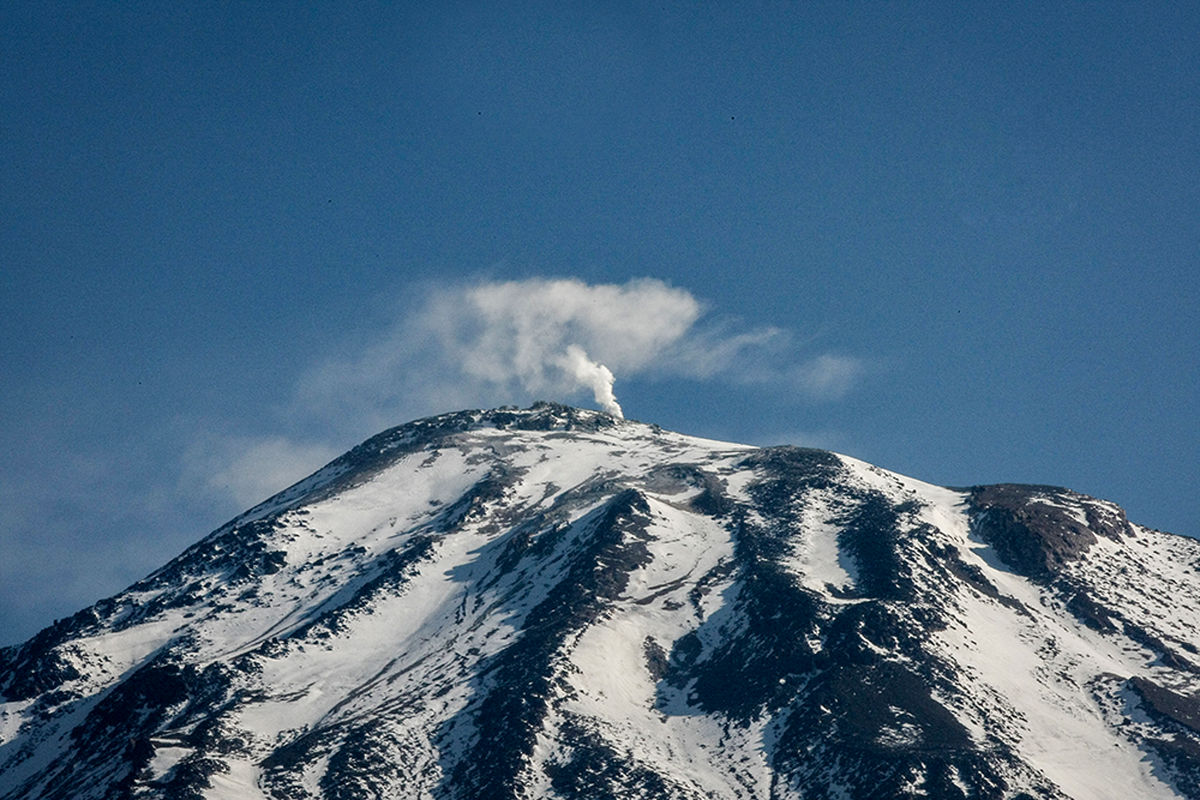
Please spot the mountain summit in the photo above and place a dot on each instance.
(554, 603)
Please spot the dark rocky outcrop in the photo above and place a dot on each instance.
(1034, 530)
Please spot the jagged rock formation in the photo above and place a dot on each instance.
(551, 603)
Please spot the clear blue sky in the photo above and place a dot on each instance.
(988, 211)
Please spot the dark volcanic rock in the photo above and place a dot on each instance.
(1033, 528)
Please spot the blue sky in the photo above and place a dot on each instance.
(957, 240)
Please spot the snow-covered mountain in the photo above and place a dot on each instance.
(553, 603)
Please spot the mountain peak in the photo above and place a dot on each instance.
(553, 602)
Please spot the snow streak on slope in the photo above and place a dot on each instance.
(557, 603)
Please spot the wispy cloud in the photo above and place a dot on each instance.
(499, 342)
(250, 469)
(828, 376)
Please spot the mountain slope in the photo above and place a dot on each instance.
(555, 603)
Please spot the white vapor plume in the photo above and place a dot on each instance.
(596, 376)
(495, 342)
(557, 337)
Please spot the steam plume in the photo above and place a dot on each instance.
(597, 377)
(496, 342)
(556, 337)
